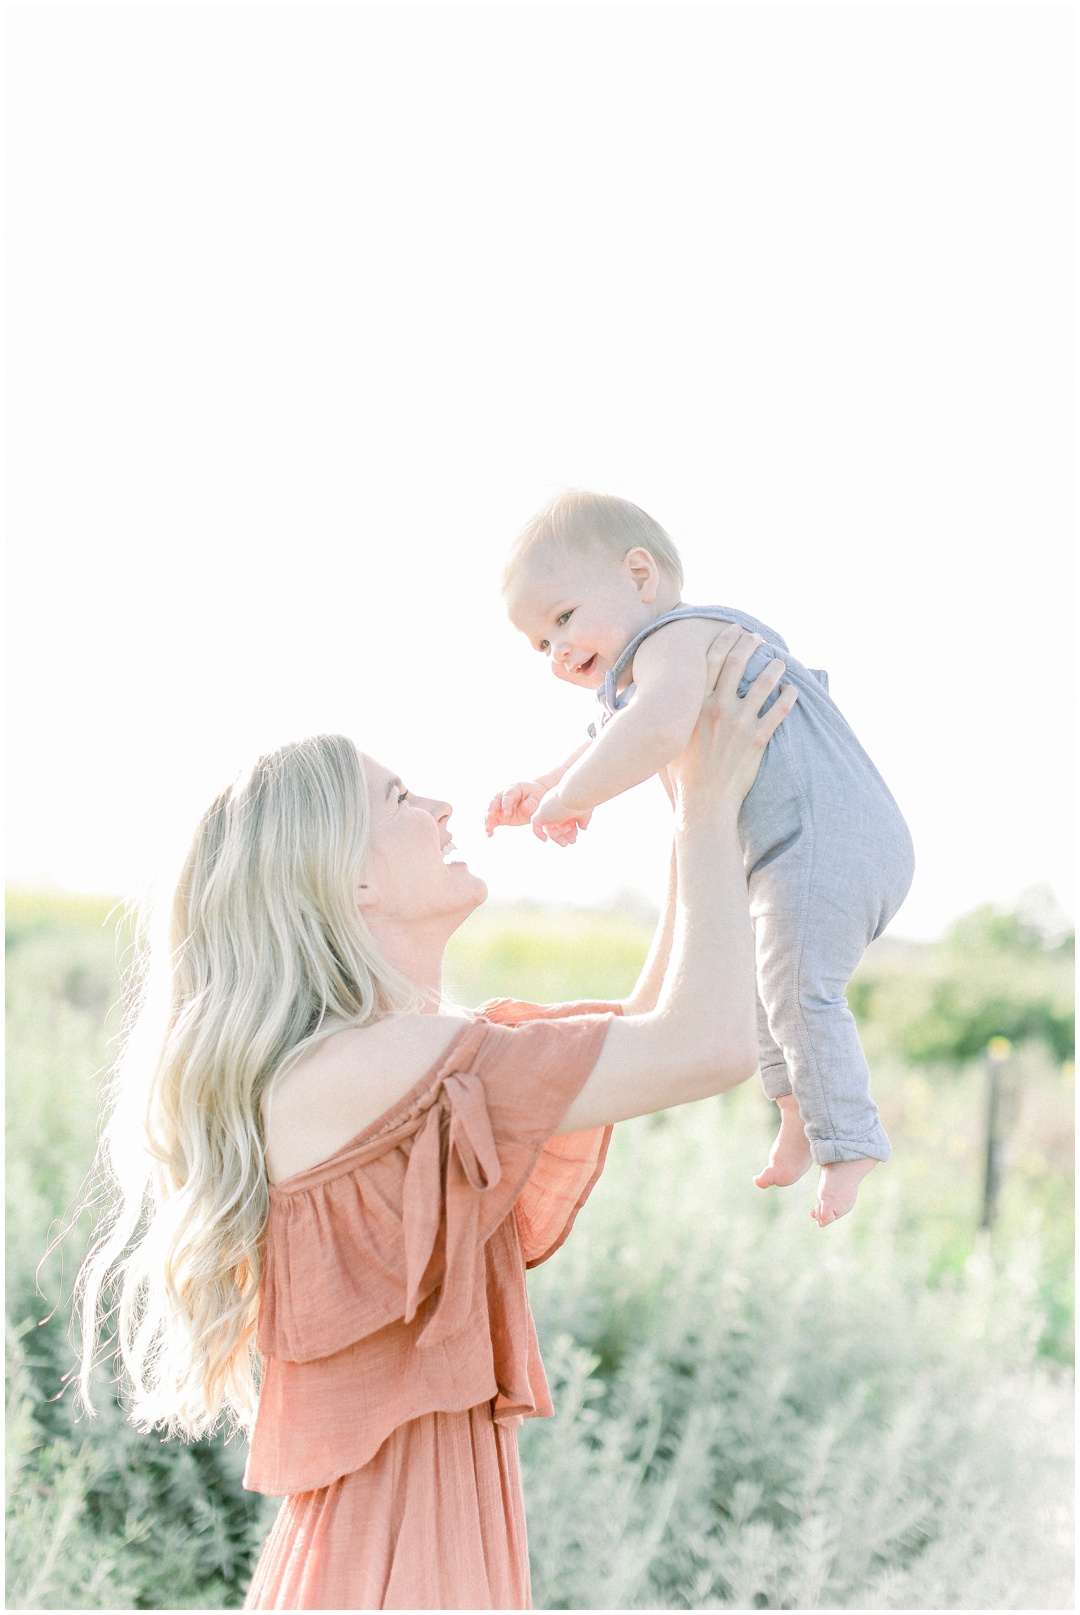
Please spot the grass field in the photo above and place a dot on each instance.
(751, 1413)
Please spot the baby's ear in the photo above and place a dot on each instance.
(643, 573)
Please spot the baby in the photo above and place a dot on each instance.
(595, 585)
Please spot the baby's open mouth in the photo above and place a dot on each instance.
(587, 667)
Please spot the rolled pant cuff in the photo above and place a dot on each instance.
(875, 1145)
(774, 1080)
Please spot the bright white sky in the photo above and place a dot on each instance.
(311, 306)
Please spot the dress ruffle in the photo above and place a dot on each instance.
(393, 1280)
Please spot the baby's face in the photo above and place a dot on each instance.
(580, 610)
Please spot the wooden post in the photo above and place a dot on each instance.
(998, 1051)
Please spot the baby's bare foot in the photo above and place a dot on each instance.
(838, 1188)
(789, 1157)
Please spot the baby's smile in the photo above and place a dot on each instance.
(578, 669)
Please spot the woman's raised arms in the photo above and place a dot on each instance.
(696, 1037)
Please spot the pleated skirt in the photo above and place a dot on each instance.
(434, 1521)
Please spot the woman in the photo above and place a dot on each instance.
(340, 1180)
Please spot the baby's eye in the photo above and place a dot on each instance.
(545, 644)
(564, 618)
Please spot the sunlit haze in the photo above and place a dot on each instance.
(310, 307)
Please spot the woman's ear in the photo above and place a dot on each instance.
(366, 896)
(643, 572)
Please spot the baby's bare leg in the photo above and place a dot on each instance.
(790, 1156)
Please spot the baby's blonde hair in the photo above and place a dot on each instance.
(265, 942)
(577, 519)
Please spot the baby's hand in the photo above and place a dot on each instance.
(553, 821)
(513, 807)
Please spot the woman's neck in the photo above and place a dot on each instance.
(417, 950)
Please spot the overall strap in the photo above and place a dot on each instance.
(609, 696)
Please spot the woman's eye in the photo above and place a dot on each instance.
(401, 796)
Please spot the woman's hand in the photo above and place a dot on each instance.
(723, 757)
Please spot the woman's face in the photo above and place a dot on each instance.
(410, 878)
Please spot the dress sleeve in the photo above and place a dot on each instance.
(570, 1163)
(394, 1225)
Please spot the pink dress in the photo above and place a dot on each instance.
(399, 1353)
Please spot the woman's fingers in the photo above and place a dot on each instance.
(735, 661)
(764, 685)
(718, 653)
(760, 691)
(732, 671)
(732, 733)
(771, 720)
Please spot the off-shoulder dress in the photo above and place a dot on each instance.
(399, 1353)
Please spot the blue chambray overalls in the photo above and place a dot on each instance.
(828, 862)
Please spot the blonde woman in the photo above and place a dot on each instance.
(331, 1183)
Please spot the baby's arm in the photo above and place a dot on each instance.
(669, 687)
(517, 804)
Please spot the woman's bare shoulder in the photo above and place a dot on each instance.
(397, 1039)
(345, 1082)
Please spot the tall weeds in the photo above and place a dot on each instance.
(751, 1412)
(755, 1413)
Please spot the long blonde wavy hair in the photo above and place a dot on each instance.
(265, 942)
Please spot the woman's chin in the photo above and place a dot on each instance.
(481, 889)
(472, 890)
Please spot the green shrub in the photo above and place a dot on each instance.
(751, 1412)
(994, 974)
(99, 1516)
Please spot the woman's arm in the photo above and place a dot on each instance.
(646, 993)
(700, 1037)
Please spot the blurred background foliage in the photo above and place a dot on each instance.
(751, 1413)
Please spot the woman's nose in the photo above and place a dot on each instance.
(440, 811)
